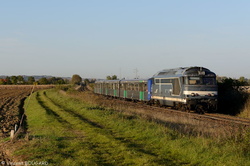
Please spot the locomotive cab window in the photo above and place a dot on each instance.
(194, 81)
(209, 81)
(200, 81)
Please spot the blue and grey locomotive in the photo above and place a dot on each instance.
(188, 88)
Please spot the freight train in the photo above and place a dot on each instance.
(185, 88)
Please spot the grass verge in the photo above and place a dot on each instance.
(245, 113)
(66, 131)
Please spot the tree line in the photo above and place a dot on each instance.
(114, 77)
(19, 80)
(241, 81)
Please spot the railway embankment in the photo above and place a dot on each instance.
(211, 125)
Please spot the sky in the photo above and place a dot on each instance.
(98, 38)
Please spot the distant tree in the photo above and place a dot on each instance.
(8, 81)
(76, 79)
(66, 81)
(56, 80)
(52, 80)
(20, 80)
(60, 81)
(43, 81)
(92, 80)
(243, 81)
(109, 78)
(2, 82)
(221, 78)
(86, 81)
(114, 77)
(31, 80)
(13, 79)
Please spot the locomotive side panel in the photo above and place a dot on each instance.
(167, 91)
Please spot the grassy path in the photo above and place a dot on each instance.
(74, 133)
(65, 131)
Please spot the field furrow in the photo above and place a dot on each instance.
(10, 109)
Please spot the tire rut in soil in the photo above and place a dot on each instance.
(127, 142)
(49, 111)
(52, 113)
(82, 118)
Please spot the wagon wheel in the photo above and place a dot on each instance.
(183, 108)
(200, 109)
(188, 108)
(150, 102)
(178, 106)
(157, 103)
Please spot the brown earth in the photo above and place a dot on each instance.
(11, 102)
(11, 109)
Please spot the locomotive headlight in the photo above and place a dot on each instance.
(212, 94)
(192, 94)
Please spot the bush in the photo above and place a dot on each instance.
(231, 98)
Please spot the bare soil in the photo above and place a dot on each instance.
(11, 109)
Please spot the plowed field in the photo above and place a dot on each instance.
(11, 103)
(11, 110)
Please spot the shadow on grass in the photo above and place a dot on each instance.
(94, 124)
(50, 111)
(129, 143)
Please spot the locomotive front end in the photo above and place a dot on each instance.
(200, 90)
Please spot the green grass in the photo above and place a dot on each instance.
(245, 112)
(66, 131)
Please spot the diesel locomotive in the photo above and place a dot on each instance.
(185, 88)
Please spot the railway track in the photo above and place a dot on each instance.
(231, 120)
(150, 111)
(213, 117)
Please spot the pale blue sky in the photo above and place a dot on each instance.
(105, 37)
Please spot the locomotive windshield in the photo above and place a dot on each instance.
(200, 81)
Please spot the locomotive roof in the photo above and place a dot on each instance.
(184, 71)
